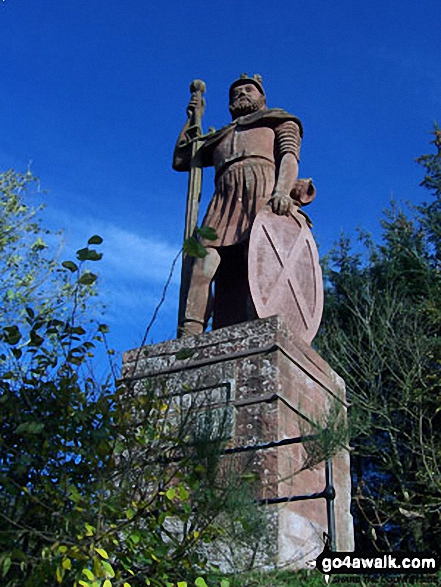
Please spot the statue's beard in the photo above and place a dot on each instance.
(245, 105)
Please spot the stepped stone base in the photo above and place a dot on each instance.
(278, 388)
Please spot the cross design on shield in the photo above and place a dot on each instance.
(284, 273)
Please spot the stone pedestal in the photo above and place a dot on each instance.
(279, 389)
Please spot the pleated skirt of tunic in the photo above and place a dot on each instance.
(241, 191)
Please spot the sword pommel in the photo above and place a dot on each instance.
(197, 85)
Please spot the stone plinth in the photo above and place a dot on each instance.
(279, 388)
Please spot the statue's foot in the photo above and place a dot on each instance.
(191, 328)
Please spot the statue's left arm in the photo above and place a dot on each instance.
(287, 153)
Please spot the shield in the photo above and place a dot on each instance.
(284, 272)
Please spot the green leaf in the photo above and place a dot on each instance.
(94, 255)
(55, 323)
(135, 536)
(200, 582)
(225, 583)
(59, 574)
(103, 328)
(87, 254)
(95, 240)
(77, 330)
(108, 569)
(29, 428)
(102, 553)
(87, 278)
(107, 583)
(82, 254)
(193, 248)
(171, 493)
(17, 353)
(88, 574)
(36, 339)
(10, 294)
(6, 565)
(183, 493)
(39, 245)
(207, 232)
(185, 353)
(74, 494)
(70, 265)
(11, 334)
(30, 312)
(251, 476)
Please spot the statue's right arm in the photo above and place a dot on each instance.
(182, 152)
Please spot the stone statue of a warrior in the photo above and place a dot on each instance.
(256, 161)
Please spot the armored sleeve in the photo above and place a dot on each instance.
(287, 140)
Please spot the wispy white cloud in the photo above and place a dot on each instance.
(145, 258)
(133, 273)
(126, 253)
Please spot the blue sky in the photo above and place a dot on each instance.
(93, 94)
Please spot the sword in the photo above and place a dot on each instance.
(197, 89)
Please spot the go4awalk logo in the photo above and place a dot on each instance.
(388, 563)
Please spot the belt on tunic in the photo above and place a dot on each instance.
(226, 163)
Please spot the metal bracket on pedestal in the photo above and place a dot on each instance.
(328, 492)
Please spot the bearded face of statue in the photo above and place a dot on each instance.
(246, 99)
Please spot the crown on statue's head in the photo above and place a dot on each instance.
(256, 80)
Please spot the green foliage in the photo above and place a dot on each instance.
(193, 248)
(192, 245)
(207, 232)
(102, 484)
(381, 333)
(325, 437)
(53, 415)
(431, 212)
(30, 276)
(24, 263)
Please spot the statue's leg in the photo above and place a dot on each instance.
(197, 308)
(232, 301)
